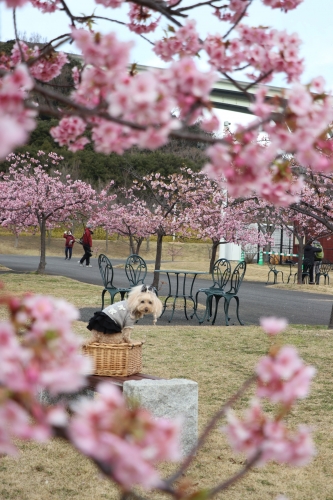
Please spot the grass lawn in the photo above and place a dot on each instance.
(219, 359)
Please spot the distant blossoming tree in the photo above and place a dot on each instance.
(34, 193)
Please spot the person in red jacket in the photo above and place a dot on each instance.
(69, 243)
(87, 245)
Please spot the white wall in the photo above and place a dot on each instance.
(230, 251)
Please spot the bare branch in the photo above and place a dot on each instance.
(187, 462)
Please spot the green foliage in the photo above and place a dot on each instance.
(6, 47)
(98, 168)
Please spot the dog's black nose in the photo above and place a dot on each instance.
(146, 310)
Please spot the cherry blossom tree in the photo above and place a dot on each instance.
(309, 218)
(168, 200)
(129, 217)
(35, 194)
(215, 216)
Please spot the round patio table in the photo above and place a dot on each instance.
(181, 288)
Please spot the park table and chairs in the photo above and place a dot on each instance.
(225, 285)
(181, 284)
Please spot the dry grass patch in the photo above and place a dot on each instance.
(219, 359)
(79, 294)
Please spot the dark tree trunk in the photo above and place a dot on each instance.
(42, 261)
(131, 243)
(138, 245)
(300, 259)
(158, 259)
(213, 256)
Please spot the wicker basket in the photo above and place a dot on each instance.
(115, 359)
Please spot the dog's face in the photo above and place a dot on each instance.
(142, 303)
(145, 303)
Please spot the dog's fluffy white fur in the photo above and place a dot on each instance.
(139, 303)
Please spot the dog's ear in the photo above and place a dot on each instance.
(152, 289)
(143, 288)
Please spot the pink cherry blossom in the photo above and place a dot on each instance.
(102, 50)
(15, 3)
(273, 326)
(299, 101)
(258, 433)
(283, 377)
(141, 20)
(15, 122)
(129, 440)
(46, 68)
(283, 4)
(46, 6)
(185, 42)
(68, 132)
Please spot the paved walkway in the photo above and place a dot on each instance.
(256, 299)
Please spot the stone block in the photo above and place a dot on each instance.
(170, 399)
(66, 398)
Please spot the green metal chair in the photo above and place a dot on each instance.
(106, 270)
(275, 271)
(220, 275)
(305, 271)
(136, 270)
(324, 269)
(235, 283)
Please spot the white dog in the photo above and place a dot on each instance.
(115, 323)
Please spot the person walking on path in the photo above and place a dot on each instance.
(87, 245)
(309, 256)
(69, 243)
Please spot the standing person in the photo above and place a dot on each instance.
(69, 243)
(309, 255)
(318, 258)
(87, 245)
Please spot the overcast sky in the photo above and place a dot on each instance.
(312, 20)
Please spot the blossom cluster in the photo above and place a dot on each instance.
(141, 20)
(237, 8)
(128, 440)
(242, 159)
(45, 6)
(144, 97)
(37, 351)
(46, 67)
(265, 51)
(282, 378)
(15, 120)
(184, 42)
